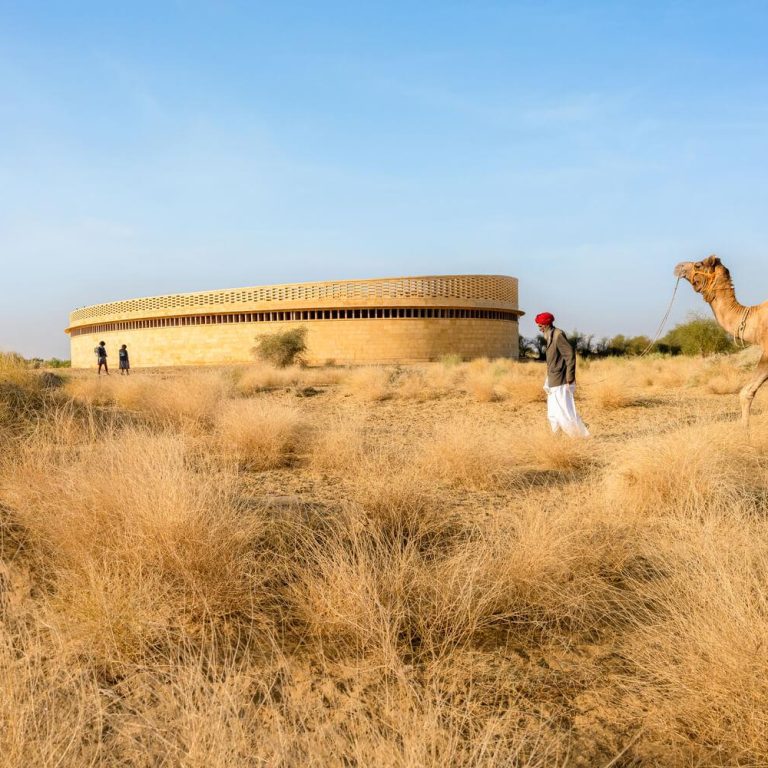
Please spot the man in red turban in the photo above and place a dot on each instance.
(560, 383)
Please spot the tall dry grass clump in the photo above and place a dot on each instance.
(263, 377)
(24, 394)
(52, 711)
(370, 384)
(723, 377)
(611, 395)
(489, 381)
(481, 383)
(481, 455)
(346, 598)
(699, 659)
(690, 470)
(15, 371)
(545, 572)
(141, 539)
(190, 399)
(93, 390)
(427, 382)
(258, 434)
(399, 499)
(338, 445)
(523, 384)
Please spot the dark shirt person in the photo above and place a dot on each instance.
(560, 383)
(123, 362)
(101, 357)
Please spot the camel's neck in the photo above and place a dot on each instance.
(730, 314)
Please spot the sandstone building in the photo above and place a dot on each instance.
(402, 319)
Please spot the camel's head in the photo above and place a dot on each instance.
(705, 276)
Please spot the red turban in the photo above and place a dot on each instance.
(545, 318)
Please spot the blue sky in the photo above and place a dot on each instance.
(584, 147)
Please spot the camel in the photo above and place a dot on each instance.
(747, 325)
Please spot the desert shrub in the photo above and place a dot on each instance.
(482, 385)
(15, 370)
(690, 470)
(709, 629)
(451, 360)
(466, 453)
(611, 395)
(190, 400)
(141, 538)
(370, 383)
(265, 377)
(260, 435)
(425, 383)
(522, 383)
(699, 335)
(283, 348)
(337, 445)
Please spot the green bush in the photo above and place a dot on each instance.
(283, 348)
(699, 335)
(54, 362)
(451, 360)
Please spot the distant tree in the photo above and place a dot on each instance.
(540, 346)
(699, 335)
(527, 347)
(602, 347)
(582, 343)
(621, 345)
(283, 348)
(637, 345)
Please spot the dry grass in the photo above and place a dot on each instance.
(724, 378)
(476, 455)
(141, 539)
(611, 395)
(690, 470)
(426, 382)
(369, 384)
(202, 569)
(337, 446)
(264, 378)
(258, 435)
(191, 400)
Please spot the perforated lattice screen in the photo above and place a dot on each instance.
(498, 289)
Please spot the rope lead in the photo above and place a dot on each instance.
(663, 322)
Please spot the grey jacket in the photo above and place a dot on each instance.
(561, 359)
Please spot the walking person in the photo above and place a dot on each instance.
(123, 362)
(560, 383)
(101, 357)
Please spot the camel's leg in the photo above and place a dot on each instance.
(747, 395)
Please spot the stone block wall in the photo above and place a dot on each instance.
(480, 325)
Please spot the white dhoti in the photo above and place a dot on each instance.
(561, 410)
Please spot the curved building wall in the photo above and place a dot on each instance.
(406, 319)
